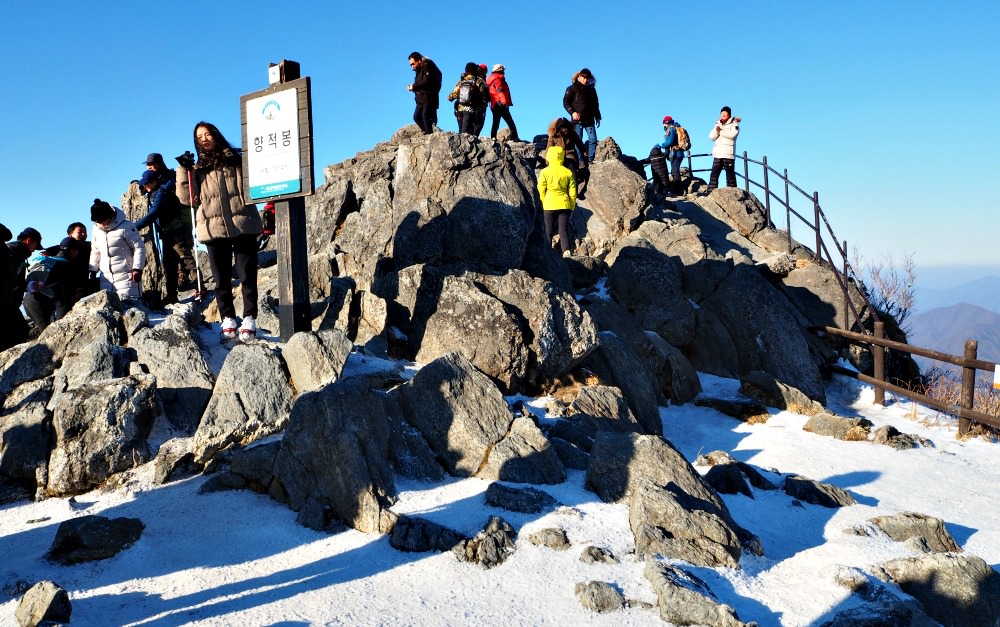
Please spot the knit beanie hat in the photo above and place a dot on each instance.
(101, 211)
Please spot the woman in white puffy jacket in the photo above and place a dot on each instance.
(117, 251)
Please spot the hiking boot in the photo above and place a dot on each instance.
(248, 330)
(228, 331)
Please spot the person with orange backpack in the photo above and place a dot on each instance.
(676, 142)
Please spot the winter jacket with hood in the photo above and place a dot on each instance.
(571, 144)
(725, 140)
(499, 90)
(583, 99)
(116, 251)
(556, 182)
(222, 213)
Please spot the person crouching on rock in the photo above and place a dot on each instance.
(117, 251)
(557, 189)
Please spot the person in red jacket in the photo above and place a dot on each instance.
(500, 101)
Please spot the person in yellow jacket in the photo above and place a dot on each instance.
(557, 189)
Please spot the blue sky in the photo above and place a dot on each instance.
(884, 108)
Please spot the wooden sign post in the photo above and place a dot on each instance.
(278, 167)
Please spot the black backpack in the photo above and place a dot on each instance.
(468, 92)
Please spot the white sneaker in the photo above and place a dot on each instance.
(248, 330)
(228, 329)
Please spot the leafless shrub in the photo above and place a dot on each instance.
(888, 286)
(945, 385)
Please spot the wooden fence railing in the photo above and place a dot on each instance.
(788, 195)
(875, 336)
(969, 363)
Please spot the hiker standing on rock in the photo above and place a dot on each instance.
(15, 326)
(188, 270)
(226, 225)
(426, 87)
(557, 189)
(500, 101)
(583, 106)
(561, 134)
(724, 134)
(672, 143)
(470, 95)
(117, 251)
(165, 212)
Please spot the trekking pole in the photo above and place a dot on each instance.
(194, 225)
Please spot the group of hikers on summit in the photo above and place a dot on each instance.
(47, 282)
(565, 178)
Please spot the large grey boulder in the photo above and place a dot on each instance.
(603, 408)
(667, 368)
(839, 427)
(518, 329)
(90, 538)
(334, 456)
(183, 379)
(26, 434)
(748, 325)
(616, 363)
(436, 199)
(672, 510)
(100, 429)
(956, 590)
(817, 492)
(599, 596)
(649, 285)
(683, 599)
(905, 525)
(93, 319)
(45, 603)
(766, 388)
(251, 400)
(459, 411)
(613, 208)
(316, 359)
(524, 455)
(490, 547)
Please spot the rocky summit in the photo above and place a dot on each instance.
(430, 249)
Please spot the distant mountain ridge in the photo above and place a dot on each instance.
(984, 292)
(946, 329)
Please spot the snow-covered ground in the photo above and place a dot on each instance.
(239, 558)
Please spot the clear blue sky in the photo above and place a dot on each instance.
(884, 108)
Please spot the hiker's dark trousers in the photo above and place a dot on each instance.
(502, 112)
(425, 117)
(220, 257)
(717, 166)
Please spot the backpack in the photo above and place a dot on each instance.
(468, 93)
(683, 139)
(39, 266)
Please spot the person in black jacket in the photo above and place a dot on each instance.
(426, 87)
(15, 327)
(165, 210)
(584, 108)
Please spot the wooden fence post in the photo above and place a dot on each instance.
(968, 385)
(878, 359)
